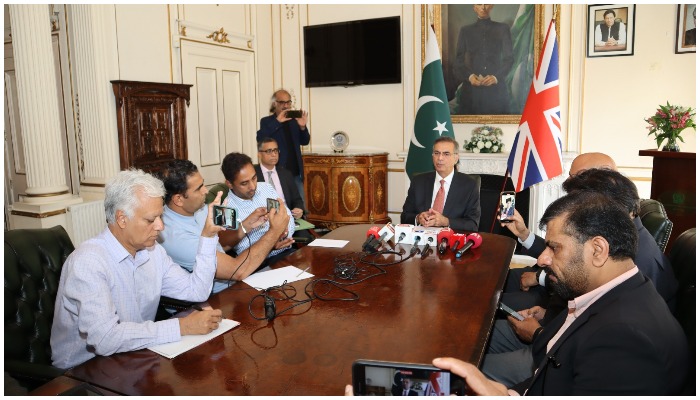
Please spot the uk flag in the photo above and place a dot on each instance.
(536, 155)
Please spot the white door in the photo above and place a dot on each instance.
(221, 117)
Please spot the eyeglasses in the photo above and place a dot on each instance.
(284, 103)
(270, 151)
(445, 154)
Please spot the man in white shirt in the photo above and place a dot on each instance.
(246, 194)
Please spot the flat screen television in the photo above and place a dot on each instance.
(364, 52)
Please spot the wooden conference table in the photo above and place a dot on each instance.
(418, 310)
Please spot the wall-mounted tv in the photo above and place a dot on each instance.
(364, 52)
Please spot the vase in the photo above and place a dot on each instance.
(671, 145)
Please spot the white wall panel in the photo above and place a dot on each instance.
(144, 42)
(208, 116)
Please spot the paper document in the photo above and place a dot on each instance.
(187, 342)
(275, 277)
(328, 243)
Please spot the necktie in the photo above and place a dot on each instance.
(439, 202)
(405, 392)
(270, 181)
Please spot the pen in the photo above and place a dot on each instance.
(196, 307)
(307, 268)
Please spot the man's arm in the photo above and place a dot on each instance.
(269, 127)
(598, 36)
(623, 35)
(235, 268)
(470, 207)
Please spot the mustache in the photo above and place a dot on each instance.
(549, 271)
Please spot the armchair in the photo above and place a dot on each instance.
(33, 262)
(655, 220)
(683, 259)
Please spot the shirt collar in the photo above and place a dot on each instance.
(263, 169)
(448, 178)
(581, 303)
(119, 253)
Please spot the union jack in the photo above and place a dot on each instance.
(536, 155)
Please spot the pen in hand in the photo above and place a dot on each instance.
(307, 268)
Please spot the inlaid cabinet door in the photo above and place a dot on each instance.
(319, 193)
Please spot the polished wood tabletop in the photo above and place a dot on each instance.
(419, 309)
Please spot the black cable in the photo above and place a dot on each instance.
(230, 280)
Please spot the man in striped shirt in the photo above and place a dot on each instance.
(246, 195)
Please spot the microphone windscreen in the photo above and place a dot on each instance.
(445, 234)
(373, 231)
(458, 240)
(476, 238)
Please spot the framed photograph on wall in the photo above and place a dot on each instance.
(489, 55)
(610, 30)
(685, 28)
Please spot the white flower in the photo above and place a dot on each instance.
(475, 150)
(484, 131)
(480, 144)
(487, 144)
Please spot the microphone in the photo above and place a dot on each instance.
(473, 240)
(443, 239)
(415, 249)
(387, 232)
(426, 249)
(372, 234)
(401, 236)
(458, 240)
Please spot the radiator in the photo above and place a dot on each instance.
(86, 220)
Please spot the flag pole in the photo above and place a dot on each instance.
(498, 203)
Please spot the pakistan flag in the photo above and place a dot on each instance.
(432, 113)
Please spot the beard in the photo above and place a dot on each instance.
(573, 282)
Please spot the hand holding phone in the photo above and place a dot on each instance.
(403, 378)
(226, 217)
(510, 311)
(273, 203)
(293, 114)
(507, 206)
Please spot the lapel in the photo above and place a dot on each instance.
(452, 196)
(600, 305)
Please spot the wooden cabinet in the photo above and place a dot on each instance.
(344, 189)
(673, 185)
(151, 123)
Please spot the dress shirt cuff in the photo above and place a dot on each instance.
(541, 278)
(208, 245)
(512, 392)
(527, 243)
(169, 330)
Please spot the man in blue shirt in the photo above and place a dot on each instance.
(111, 284)
(184, 217)
(246, 195)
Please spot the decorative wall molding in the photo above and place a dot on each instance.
(210, 34)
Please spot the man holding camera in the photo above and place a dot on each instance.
(184, 216)
(246, 195)
(289, 131)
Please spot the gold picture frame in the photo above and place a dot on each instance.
(449, 19)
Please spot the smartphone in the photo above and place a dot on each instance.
(293, 114)
(507, 207)
(384, 378)
(226, 217)
(273, 203)
(510, 311)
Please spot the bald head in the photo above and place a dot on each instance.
(591, 160)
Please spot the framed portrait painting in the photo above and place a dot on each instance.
(610, 30)
(685, 28)
(489, 55)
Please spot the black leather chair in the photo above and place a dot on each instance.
(683, 262)
(655, 220)
(33, 262)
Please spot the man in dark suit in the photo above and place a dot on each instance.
(290, 133)
(618, 336)
(277, 176)
(444, 197)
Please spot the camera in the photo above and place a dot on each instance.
(293, 114)
(226, 217)
(273, 203)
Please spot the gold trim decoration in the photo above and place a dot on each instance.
(37, 215)
(219, 36)
(94, 184)
(438, 25)
(395, 170)
(46, 194)
(183, 31)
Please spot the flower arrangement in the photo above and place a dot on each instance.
(485, 139)
(668, 123)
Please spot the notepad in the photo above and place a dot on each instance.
(188, 342)
(276, 277)
(334, 243)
